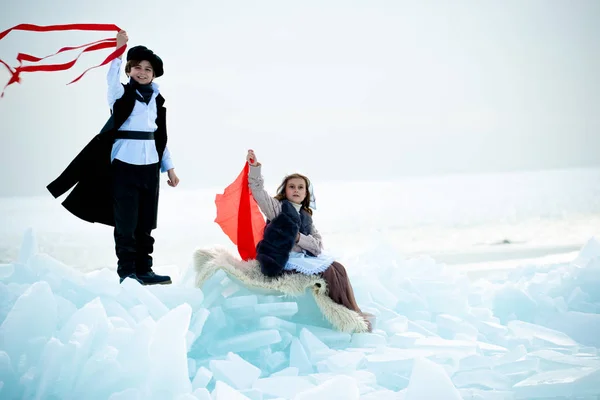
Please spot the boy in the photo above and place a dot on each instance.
(116, 176)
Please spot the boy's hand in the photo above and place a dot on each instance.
(173, 179)
(251, 158)
(122, 39)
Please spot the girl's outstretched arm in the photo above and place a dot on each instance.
(267, 204)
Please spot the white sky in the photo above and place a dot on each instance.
(336, 89)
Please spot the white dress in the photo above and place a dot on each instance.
(305, 264)
(308, 265)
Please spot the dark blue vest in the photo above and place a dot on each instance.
(306, 222)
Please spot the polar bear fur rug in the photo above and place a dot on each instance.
(207, 262)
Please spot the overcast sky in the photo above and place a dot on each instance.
(336, 89)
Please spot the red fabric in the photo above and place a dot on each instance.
(98, 45)
(239, 217)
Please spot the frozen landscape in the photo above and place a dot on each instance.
(484, 287)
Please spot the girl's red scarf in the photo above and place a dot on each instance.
(239, 216)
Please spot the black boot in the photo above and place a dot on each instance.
(132, 276)
(143, 267)
(150, 278)
(126, 269)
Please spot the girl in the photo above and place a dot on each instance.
(306, 255)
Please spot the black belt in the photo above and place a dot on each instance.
(136, 135)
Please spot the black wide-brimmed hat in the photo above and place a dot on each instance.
(140, 53)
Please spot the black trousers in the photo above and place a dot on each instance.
(135, 205)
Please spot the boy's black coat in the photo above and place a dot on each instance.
(90, 171)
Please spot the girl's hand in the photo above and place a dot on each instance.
(251, 158)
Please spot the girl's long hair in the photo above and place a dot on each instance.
(281, 191)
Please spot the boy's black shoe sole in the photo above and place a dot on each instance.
(149, 278)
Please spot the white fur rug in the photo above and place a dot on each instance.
(209, 261)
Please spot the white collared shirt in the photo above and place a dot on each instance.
(142, 119)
